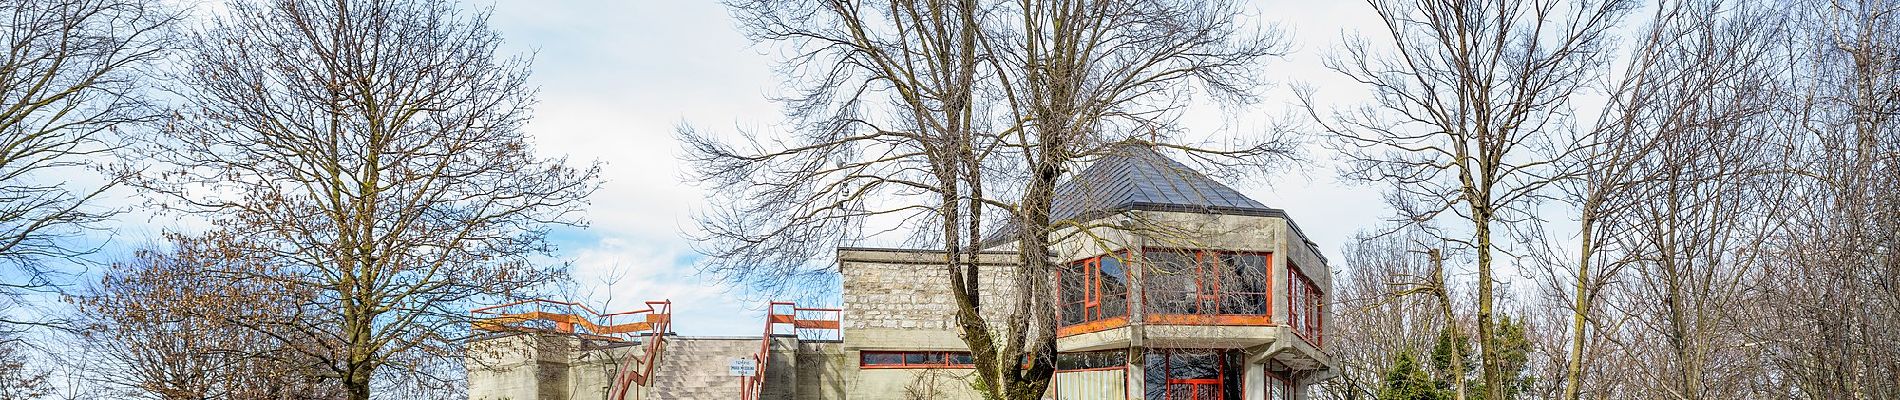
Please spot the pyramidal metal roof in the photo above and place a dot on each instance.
(1138, 178)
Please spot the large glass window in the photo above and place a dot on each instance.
(1094, 289)
(1173, 282)
(1278, 387)
(914, 359)
(1206, 282)
(1305, 305)
(1192, 374)
(1091, 360)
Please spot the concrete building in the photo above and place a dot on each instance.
(1174, 287)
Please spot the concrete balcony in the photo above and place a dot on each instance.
(1267, 342)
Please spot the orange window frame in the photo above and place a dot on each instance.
(1209, 293)
(1093, 319)
(903, 358)
(1219, 381)
(1277, 381)
(1304, 306)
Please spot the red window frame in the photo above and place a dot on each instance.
(1305, 306)
(1094, 319)
(1219, 382)
(1275, 380)
(903, 358)
(1207, 291)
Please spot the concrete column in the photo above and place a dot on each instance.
(1254, 381)
(521, 367)
(1137, 375)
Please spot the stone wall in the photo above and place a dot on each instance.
(824, 370)
(910, 290)
(519, 367)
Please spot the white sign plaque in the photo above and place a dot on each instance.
(742, 367)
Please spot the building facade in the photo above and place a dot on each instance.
(1171, 286)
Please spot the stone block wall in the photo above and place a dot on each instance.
(519, 367)
(822, 371)
(910, 290)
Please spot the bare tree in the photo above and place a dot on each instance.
(372, 153)
(1467, 102)
(1389, 303)
(164, 324)
(68, 84)
(949, 115)
(1697, 66)
(1834, 278)
(1706, 208)
(18, 380)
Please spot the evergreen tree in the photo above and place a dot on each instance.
(1513, 351)
(1406, 381)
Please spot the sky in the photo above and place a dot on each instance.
(617, 78)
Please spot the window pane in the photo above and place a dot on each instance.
(1114, 280)
(1089, 360)
(1193, 364)
(1251, 270)
(1171, 287)
(1277, 387)
(961, 359)
(1233, 367)
(1244, 284)
(1071, 314)
(1155, 375)
(882, 358)
(1072, 293)
(931, 358)
(1072, 289)
(1181, 391)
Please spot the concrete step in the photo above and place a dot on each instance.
(695, 368)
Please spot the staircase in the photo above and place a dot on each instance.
(559, 350)
(695, 368)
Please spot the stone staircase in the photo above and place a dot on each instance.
(695, 368)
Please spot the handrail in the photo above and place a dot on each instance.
(751, 386)
(639, 371)
(804, 325)
(634, 369)
(507, 317)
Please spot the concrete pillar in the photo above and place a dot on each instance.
(1137, 375)
(1254, 382)
(527, 366)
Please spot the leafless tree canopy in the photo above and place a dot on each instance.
(1725, 242)
(371, 153)
(957, 119)
(68, 85)
(1685, 199)
(166, 324)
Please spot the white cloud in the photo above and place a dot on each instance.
(618, 76)
(618, 275)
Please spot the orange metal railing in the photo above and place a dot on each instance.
(653, 322)
(784, 318)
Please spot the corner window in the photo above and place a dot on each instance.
(1305, 306)
(1094, 289)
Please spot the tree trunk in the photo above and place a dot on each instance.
(1573, 371)
(1487, 350)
